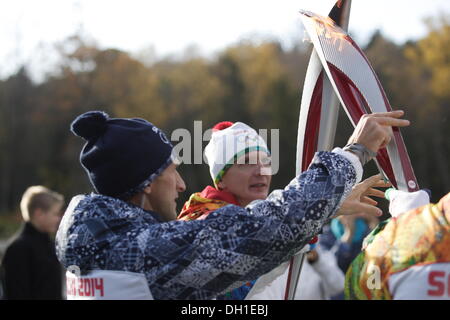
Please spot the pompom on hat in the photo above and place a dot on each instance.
(121, 156)
(229, 141)
(222, 125)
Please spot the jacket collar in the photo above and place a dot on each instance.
(30, 230)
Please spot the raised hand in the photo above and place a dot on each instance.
(374, 131)
(359, 201)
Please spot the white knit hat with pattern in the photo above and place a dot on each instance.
(228, 143)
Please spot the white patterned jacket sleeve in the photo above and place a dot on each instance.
(201, 258)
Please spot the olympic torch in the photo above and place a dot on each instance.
(319, 112)
(338, 63)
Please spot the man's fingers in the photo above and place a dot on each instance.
(367, 187)
(371, 181)
(374, 181)
(370, 209)
(390, 118)
(368, 200)
(374, 193)
(382, 184)
(395, 113)
(367, 208)
(393, 122)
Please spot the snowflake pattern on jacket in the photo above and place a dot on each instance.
(202, 258)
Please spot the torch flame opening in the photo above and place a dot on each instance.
(327, 28)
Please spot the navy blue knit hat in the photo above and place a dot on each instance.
(121, 156)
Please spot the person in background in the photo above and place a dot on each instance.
(30, 269)
(344, 237)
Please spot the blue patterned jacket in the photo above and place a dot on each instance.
(202, 258)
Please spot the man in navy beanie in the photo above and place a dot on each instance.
(121, 242)
(122, 158)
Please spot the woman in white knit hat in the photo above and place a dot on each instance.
(239, 164)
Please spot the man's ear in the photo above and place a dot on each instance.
(221, 185)
(148, 189)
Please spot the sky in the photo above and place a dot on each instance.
(29, 28)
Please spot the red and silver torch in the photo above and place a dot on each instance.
(339, 73)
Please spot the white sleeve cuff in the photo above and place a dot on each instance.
(354, 160)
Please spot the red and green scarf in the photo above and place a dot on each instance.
(201, 204)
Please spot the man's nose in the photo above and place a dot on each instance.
(181, 186)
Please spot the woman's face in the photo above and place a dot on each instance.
(249, 178)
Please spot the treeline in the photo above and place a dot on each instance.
(259, 84)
